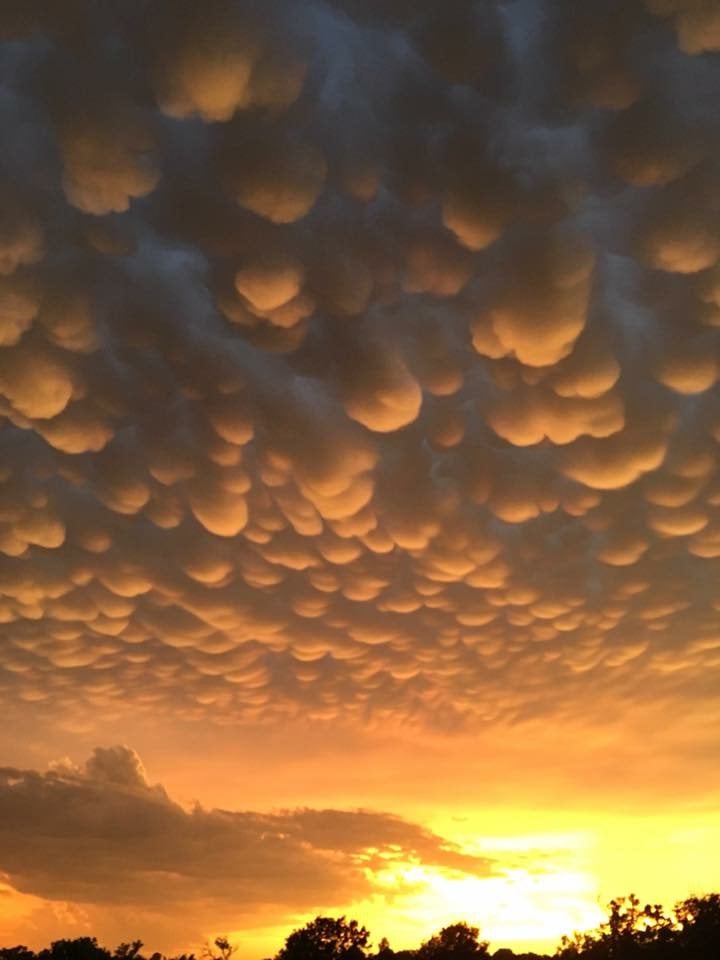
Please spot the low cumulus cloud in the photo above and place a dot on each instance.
(357, 359)
(101, 837)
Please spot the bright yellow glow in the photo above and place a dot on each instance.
(547, 883)
(519, 907)
(542, 889)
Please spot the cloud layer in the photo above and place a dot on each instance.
(358, 359)
(101, 837)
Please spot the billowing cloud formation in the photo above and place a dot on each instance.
(357, 358)
(102, 835)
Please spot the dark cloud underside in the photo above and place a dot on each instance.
(102, 835)
(358, 358)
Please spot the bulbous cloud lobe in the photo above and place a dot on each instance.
(358, 360)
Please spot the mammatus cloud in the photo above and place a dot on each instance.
(356, 359)
(101, 837)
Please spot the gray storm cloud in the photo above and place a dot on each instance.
(358, 358)
(101, 834)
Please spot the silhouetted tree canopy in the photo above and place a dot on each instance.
(86, 948)
(505, 953)
(83, 948)
(223, 950)
(631, 932)
(16, 953)
(326, 938)
(699, 921)
(128, 951)
(458, 941)
(384, 950)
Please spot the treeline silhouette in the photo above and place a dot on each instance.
(691, 931)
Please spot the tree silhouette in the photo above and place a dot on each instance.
(384, 950)
(128, 951)
(224, 949)
(459, 941)
(326, 938)
(626, 933)
(630, 932)
(82, 948)
(698, 920)
(16, 953)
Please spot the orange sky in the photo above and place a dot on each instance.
(359, 477)
(561, 819)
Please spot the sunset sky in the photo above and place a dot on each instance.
(359, 480)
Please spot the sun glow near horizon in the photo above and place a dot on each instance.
(519, 907)
(544, 885)
(526, 907)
